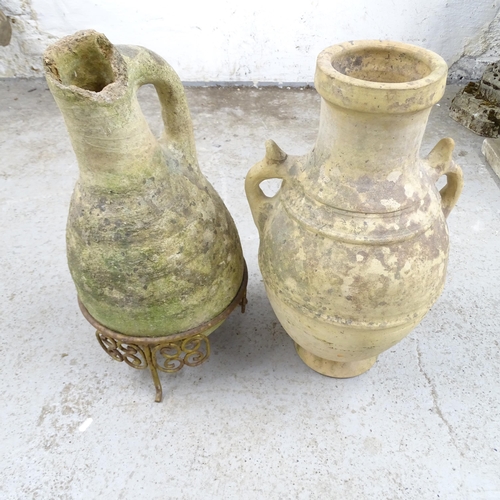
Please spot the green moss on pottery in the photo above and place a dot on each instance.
(151, 247)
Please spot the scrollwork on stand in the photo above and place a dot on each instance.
(171, 353)
(170, 357)
(166, 354)
(132, 354)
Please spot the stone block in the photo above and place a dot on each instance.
(477, 105)
(491, 149)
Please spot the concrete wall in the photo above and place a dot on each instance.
(256, 41)
(479, 51)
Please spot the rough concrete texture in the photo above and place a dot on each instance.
(479, 51)
(254, 421)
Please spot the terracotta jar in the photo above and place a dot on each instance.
(151, 247)
(354, 246)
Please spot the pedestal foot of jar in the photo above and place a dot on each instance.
(334, 369)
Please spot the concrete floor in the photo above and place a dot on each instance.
(254, 422)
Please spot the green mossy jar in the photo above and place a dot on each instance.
(151, 247)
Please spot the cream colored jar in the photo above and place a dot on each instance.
(354, 246)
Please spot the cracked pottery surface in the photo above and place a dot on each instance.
(354, 246)
(151, 247)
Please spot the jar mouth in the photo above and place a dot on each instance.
(382, 71)
(87, 63)
(381, 65)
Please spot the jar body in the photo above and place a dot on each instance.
(344, 299)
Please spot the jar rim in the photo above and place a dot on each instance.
(409, 95)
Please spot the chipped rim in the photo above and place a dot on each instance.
(110, 92)
(380, 97)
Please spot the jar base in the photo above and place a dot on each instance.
(334, 369)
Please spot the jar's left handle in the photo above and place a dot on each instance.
(273, 166)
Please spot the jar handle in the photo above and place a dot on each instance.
(273, 166)
(441, 163)
(144, 67)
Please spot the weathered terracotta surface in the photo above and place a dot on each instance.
(151, 247)
(354, 246)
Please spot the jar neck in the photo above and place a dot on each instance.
(371, 143)
(366, 162)
(113, 143)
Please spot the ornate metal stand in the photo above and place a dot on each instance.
(166, 354)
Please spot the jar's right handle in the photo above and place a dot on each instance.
(441, 163)
(144, 67)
